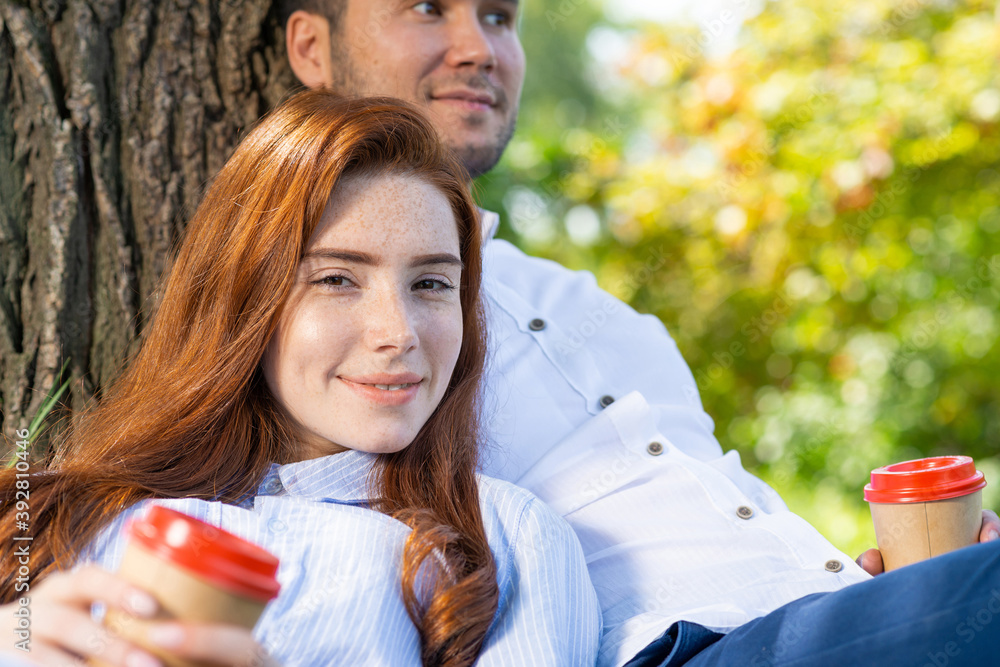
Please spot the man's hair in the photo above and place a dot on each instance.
(331, 10)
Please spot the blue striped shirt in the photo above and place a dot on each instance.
(340, 600)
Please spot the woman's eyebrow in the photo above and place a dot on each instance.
(367, 259)
(352, 256)
(440, 258)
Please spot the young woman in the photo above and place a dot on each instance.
(310, 383)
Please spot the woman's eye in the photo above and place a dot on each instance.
(432, 285)
(334, 281)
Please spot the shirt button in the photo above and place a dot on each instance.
(834, 566)
(744, 512)
(276, 526)
(272, 486)
(536, 324)
(654, 448)
(607, 400)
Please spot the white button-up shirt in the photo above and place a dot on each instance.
(672, 528)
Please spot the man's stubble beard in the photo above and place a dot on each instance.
(477, 160)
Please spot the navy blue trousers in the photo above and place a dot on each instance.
(940, 612)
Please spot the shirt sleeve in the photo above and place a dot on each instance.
(552, 616)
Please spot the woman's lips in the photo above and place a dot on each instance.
(386, 391)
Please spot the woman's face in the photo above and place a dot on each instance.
(368, 339)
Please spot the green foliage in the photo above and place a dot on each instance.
(825, 197)
(48, 406)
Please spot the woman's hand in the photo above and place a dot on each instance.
(63, 632)
(871, 560)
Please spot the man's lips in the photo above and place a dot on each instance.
(468, 99)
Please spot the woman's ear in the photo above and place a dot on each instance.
(307, 40)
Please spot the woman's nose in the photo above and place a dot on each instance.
(392, 324)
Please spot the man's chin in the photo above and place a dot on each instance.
(479, 151)
(477, 160)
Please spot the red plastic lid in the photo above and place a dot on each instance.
(924, 480)
(212, 554)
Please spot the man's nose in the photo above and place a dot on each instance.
(468, 43)
(392, 326)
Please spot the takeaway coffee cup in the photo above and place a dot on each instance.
(925, 508)
(197, 572)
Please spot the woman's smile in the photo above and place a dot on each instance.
(384, 389)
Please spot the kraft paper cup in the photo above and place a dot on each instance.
(925, 508)
(197, 572)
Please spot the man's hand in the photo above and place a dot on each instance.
(991, 527)
(871, 560)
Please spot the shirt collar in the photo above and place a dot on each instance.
(339, 478)
(489, 221)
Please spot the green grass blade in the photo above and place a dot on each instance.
(35, 427)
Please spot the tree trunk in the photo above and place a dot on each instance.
(114, 117)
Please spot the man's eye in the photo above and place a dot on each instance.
(498, 18)
(426, 8)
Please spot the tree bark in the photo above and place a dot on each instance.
(114, 117)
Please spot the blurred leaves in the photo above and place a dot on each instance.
(824, 201)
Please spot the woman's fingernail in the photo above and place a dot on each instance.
(167, 636)
(992, 535)
(141, 603)
(137, 659)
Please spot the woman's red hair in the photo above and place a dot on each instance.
(192, 417)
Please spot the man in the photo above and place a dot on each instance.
(695, 561)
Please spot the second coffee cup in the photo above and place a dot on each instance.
(925, 508)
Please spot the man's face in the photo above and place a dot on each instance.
(461, 60)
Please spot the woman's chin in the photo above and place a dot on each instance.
(390, 447)
(383, 445)
(317, 443)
